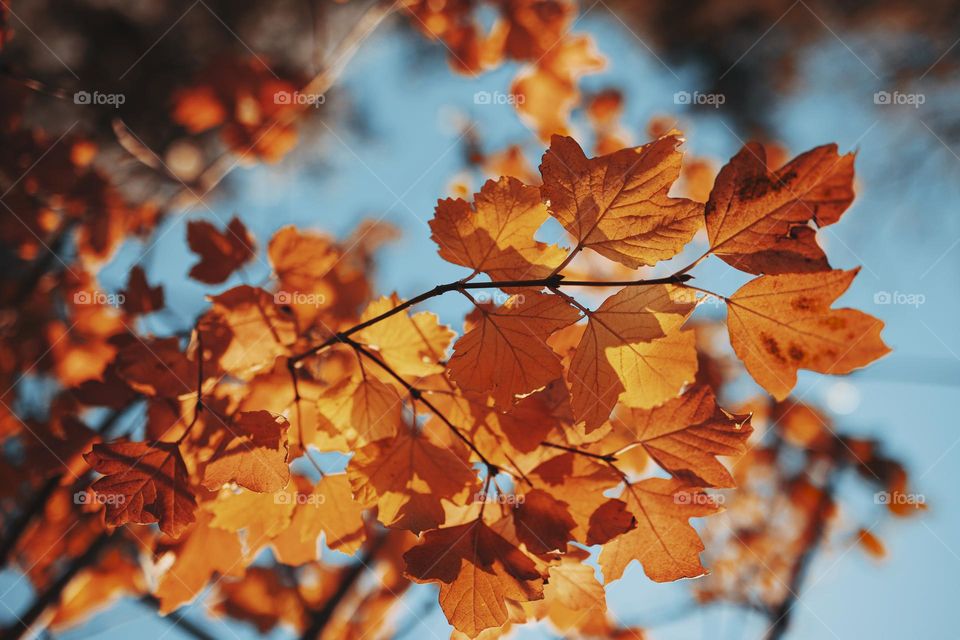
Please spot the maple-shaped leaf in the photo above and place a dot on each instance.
(632, 351)
(156, 367)
(361, 407)
(221, 252)
(331, 510)
(495, 236)
(204, 551)
(684, 435)
(573, 594)
(543, 522)
(253, 454)
(144, 482)
(617, 204)
(663, 541)
(406, 476)
(262, 516)
(246, 330)
(779, 324)
(478, 570)
(139, 296)
(506, 353)
(582, 482)
(300, 258)
(412, 345)
(759, 220)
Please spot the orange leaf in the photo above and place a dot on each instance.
(663, 541)
(478, 570)
(205, 551)
(330, 509)
(254, 455)
(363, 408)
(631, 352)
(139, 296)
(543, 522)
(144, 482)
(495, 236)
(506, 353)
(221, 252)
(406, 476)
(412, 345)
(779, 324)
(758, 220)
(617, 204)
(684, 436)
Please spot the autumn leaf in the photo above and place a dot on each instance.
(478, 570)
(573, 595)
(496, 235)
(331, 510)
(543, 522)
(245, 331)
(301, 259)
(663, 540)
(362, 408)
(406, 477)
(139, 297)
(684, 436)
(782, 323)
(582, 482)
(506, 353)
(207, 550)
(632, 351)
(759, 220)
(221, 252)
(617, 204)
(412, 345)
(156, 367)
(253, 454)
(143, 482)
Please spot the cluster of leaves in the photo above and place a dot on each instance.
(484, 463)
(543, 398)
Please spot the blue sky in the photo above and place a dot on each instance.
(902, 230)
